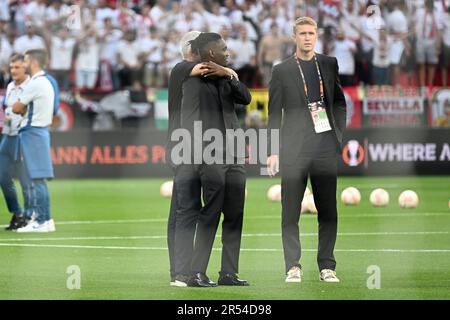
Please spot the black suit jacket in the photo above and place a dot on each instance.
(212, 101)
(179, 74)
(287, 96)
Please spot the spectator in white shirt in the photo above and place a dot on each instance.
(129, 64)
(244, 61)
(230, 10)
(152, 55)
(5, 54)
(215, 20)
(397, 24)
(126, 17)
(273, 17)
(445, 46)
(88, 58)
(109, 38)
(144, 21)
(428, 41)
(105, 12)
(189, 21)
(29, 40)
(35, 13)
(380, 60)
(171, 18)
(172, 54)
(160, 14)
(344, 51)
(56, 15)
(61, 52)
(4, 10)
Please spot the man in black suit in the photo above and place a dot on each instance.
(191, 188)
(307, 102)
(210, 102)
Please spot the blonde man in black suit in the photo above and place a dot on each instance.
(307, 103)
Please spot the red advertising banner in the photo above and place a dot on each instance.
(387, 106)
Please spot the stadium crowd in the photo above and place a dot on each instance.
(113, 44)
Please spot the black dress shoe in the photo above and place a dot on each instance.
(201, 280)
(229, 279)
(16, 223)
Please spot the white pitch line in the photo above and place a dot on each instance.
(218, 249)
(268, 217)
(314, 234)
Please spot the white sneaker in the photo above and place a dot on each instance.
(328, 275)
(294, 274)
(51, 225)
(178, 283)
(34, 227)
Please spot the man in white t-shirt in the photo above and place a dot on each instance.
(38, 103)
(5, 54)
(88, 59)
(152, 55)
(29, 41)
(160, 14)
(129, 64)
(4, 10)
(273, 17)
(190, 21)
(244, 60)
(397, 24)
(56, 15)
(215, 20)
(109, 38)
(428, 41)
(344, 51)
(380, 59)
(35, 12)
(61, 51)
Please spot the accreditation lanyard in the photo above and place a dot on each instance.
(322, 97)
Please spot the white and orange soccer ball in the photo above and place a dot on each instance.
(379, 197)
(274, 193)
(166, 189)
(350, 196)
(408, 199)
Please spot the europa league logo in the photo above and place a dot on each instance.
(353, 153)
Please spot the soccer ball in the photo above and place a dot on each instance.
(309, 203)
(274, 193)
(408, 199)
(379, 197)
(307, 192)
(166, 189)
(350, 196)
(305, 202)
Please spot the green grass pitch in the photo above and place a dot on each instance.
(114, 231)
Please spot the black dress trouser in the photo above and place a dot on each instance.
(185, 209)
(323, 175)
(223, 191)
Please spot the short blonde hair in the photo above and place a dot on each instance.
(304, 20)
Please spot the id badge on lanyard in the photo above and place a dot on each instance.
(317, 109)
(319, 116)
